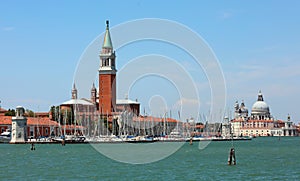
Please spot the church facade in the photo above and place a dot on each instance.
(260, 122)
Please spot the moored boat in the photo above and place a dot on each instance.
(141, 139)
(5, 137)
(70, 139)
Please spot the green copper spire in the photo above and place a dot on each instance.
(107, 40)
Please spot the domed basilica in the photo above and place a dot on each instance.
(260, 122)
(260, 110)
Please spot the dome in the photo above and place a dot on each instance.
(244, 110)
(260, 107)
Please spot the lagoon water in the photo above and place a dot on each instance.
(259, 159)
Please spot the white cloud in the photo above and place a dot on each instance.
(8, 28)
(226, 15)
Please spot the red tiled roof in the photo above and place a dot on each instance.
(41, 114)
(252, 120)
(280, 121)
(41, 121)
(265, 121)
(237, 120)
(4, 120)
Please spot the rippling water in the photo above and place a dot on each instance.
(259, 159)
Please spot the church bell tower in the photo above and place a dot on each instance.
(107, 76)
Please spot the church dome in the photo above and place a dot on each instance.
(260, 107)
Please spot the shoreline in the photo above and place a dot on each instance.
(116, 142)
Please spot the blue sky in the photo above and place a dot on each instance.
(257, 44)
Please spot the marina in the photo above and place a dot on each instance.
(71, 139)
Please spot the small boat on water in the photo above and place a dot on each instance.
(199, 138)
(244, 138)
(5, 137)
(218, 139)
(141, 139)
(70, 139)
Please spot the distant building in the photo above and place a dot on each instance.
(128, 105)
(36, 126)
(260, 122)
(240, 111)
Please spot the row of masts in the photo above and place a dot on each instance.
(94, 124)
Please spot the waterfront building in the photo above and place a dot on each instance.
(128, 105)
(5, 123)
(240, 111)
(37, 127)
(285, 128)
(260, 122)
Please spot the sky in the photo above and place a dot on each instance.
(256, 44)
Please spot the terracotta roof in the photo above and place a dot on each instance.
(252, 120)
(6, 120)
(41, 114)
(265, 121)
(237, 120)
(41, 121)
(2, 110)
(280, 121)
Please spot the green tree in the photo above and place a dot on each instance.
(10, 112)
(29, 113)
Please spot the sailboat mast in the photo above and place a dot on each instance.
(65, 117)
(107, 124)
(74, 110)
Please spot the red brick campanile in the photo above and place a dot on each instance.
(107, 76)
